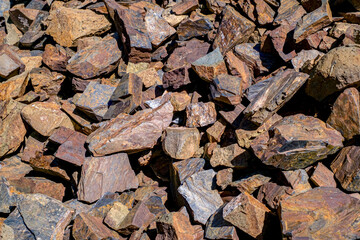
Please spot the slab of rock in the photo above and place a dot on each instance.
(322, 176)
(46, 82)
(272, 97)
(68, 25)
(320, 213)
(272, 194)
(180, 100)
(35, 33)
(131, 132)
(218, 228)
(48, 165)
(35, 146)
(233, 117)
(224, 177)
(181, 142)
(239, 68)
(337, 70)
(14, 228)
(298, 180)
(185, 7)
(105, 174)
(23, 17)
(215, 132)
(233, 29)
(227, 89)
(290, 11)
(297, 141)
(250, 183)
(13, 168)
(346, 168)
(116, 215)
(10, 63)
(230, 156)
(197, 25)
(265, 13)
(73, 149)
(305, 55)
(45, 117)
(246, 213)
(14, 87)
(198, 192)
(200, 114)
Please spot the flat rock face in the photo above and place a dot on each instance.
(227, 89)
(230, 156)
(55, 57)
(338, 69)
(200, 114)
(14, 168)
(68, 25)
(106, 174)
(296, 142)
(73, 149)
(44, 117)
(14, 227)
(331, 210)
(290, 11)
(218, 228)
(14, 87)
(131, 132)
(272, 194)
(346, 168)
(323, 177)
(198, 192)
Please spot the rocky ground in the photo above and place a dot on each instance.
(188, 120)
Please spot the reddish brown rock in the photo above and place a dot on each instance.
(34, 147)
(73, 149)
(180, 100)
(265, 13)
(250, 183)
(279, 38)
(14, 87)
(227, 89)
(158, 29)
(272, 194)
(224, 177)
(298, 180)
(46, 82)
(218, 228)
(200, 114)
(185, 6)
(353, 17)
(322, 176)
(215, 132)
(55, 57)
(149, 77)
(10, 63)
(48, 165)
(314, 39)
(197, 25)
(304, 57)
(232, 117)
(327, 43)
(239, 68)
(230, 156)
(290, 11)
(176, 78)
(23, 17)
(13, 169)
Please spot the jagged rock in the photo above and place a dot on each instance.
(239, 68)
(149, 77)
(230, 156)
(200, 114)
(55, 57)
(180, 100)
(7, 198)
(116, 215)
(320, 213)
(296, 142)
(129, 85)
(34, 33)
(224, 177)
(46, 82)
(227, 89)
(346, 168)
(290, 11)
(14, 87)
(12, 168)
(337, 70)
(196, 26)
(215, 132)
(272, 194)
(73, 150)
(181, 142)
(298, 180)
(304, 56)
(131, 132)
(250, 183)
(265, 13)
(176, 78)
(23, 17)
(185, 7)
(218, 228)
(198, 192)
(10, 63)
(233, 117)
(247, 214)
(105, 174)
(322, 176)
(48, 164)
(14, 228)
(34, 147)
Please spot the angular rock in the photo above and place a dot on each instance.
(35, 33)
(55, 57)
(297, 141)
(290, 11)
(233, 117)
(176, 78)
(196, 26)
(200, 114)
(10, 63)
(323, 177)
(49, 165)
(227, 89)
(239, 68)
(131, 132)
(218, 228)
(46, 82)
(198, 192)
(116, 215)
(265, 13)
(14, 228)
(272, 194)
(224, 177)
(215, 132)
(298, 180)
(130, 84)
(7, 198)
(230, 156)
(23, 17)
(14, 87)
(12, 168)
(73, 149)
(250, 183)
(181, 142)
(105, 174)
(173, 19)
(149, 77)
(180, 100)
(305, 55)
(185, 7)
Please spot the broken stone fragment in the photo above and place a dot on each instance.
(218, 228)
(196, 26)
(290, 11)
(304, 56)
(198, 192)
(181, 142)
(116, 215)
(180, 100)
(35, 33)
(176, 78)
(230, 156)
(227, 89)
(298, 180)
(14, 228)
(272, 194)
(13, 168)
(265, 13)
(239, 68)
(14, 87)
(129, 85)
(296, 142)
(224, 177)
(23, 17)
(105, 174)
(215, 132)
(55, 57)
(10, 63)
(49, 165)
(149, 77)
(250, 183)
(200, 114)
(185, 6)
(6, 196)
(233, 117)
(73, 149)
(322, 176)
(46, 82)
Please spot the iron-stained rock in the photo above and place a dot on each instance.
(304, 56)
(116, 215)
(14, 228)
(23, 17)
(7, 198)
(14, 168)
(322, 176)
(129, 85)
(265, 13)
(14, 87)
(224, 177)
(10, 63)
(46, 82)
(215, 132)
(272, 194)
(227, 89)
(230, 156)
(298, 179)
(73, 149)
(185, 6)
(250, 183)
(176, 78)
(200, 114)
(55, 57)
(218, 228)
(290, 11)
(35, 32)
(180, 100)
(196, 26)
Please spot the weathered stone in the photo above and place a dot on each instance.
(248, 7)
(224, 177)
(353, 17)
(320, 213)
(311, 5)
(4, 6)
(346, 168)
(230, 156)
(215, 132)
(327, 44)
(233, 117)
(173, 19)
(23, 17)
(272, 97)
(314, 39)
(73, 149)
(130, 84)
(227, 89)
(96, 60)
(239, 68)
(180, 100)
(298, 180)
(247, 214)
(338, 69)
(280, 38)
(272, 194)
(14, 87)
(46, 82)
(105, 174)
(176, 78)
(234, 29)
(13, 33)
(200, 114)
(14, 228)
(198, 192)
(218, 228)
(265, 13)
(48, 164)
(250, 183)
(7, 198)
(181, 142)
(322, 176)
(290, 11)
(116, 215)
(10, 63)
(34, 33)
(131, 132)
(12, 168)
(296, 142)
(185, 7)
(44, 117)
(68, 25)
(60, 135)
(303, 57)
(149, 77)
(55, 57)
(34, 147)
(345, 115)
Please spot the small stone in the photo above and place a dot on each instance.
(196, 26)
(14, 228)
(149, 77)
(130, 84)
(105, 174)
(23, 17)
(290, 11)
(49, 165)
(224, 177)
(34, 33)
(73, 149)
(353, 17)
(185, 7)
(12, 168)
(198, 192)
(46, 82)
(180, 100)
(247, 214)
(10, 63)
(227, 89)
(215, 132)
(14, 87)
(230, 156)
(116, 215)
(250, 183)
(272, 194)
(218, 228)
(55, 57)
(45, 117)
(323, 177)
(200, 114)
(233, 117)
(298, 180)
(265, 13)
(176, 78)
(304, 56)
(60, 135)
(327, 44)
(34, 147)
(239, 68)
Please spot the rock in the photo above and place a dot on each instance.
(67, 25)
(346, 168)
(7, 198)
(272, 194)
(12, 168)
(265, 13)
(95, 99)
(353, 17)
(185, 7)
(199, 186)
(49, 165)
(290, 11)
(218, 228)
(250, 183)
(322, 213)
(89, 227)
(46, 82)
(176, 78)
(180, 100)
(304, 140)
(239, 68)
(55, 57)
(233, 117)
(23, 17)
(215, 132)
(338, 69)
(345, 115)
(34, 147)
(73, 149)
(311, 5)
(10, 63)
(130, 84)
(5, 6)
(14, 87)
(304, 56)
(14, 228)
(105, 174)
(181, 142)
(230, 156)
(247, 214)
(149, 77)
(131, 132)
(34, 33)
(210, 65)
(227, 89)
(13, 33)
(51, 215)
(96, 60)
(322, 176)
(196, 26)
(272, 97)
(200, 114)
(234, 29)
(116, 215)
(45, 117)
(12, 128)
(298, 180)
(61, 135)
(224, 177)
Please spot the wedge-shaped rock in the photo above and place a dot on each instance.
(196, 26)
(346, 168)
(227, 89)
(296, 141)
(298, 180)
(265, 12)
(158, 28)
(230, 156)
(272, 97)
(46, 82)
(200, 196)
(68, 25)
(13, 168)
(35, 31)
(272, 194)
(304, 56)
(246, 213)
(337, 70)
(55, 57)
(218, 228)
(345, 114)
(10, 63)
(321, 213)
(322, 176)
(14, 87)
(96, 60)
(233, 29)
(73, 149)
(116, 215)
(250, 183)
(131, 132)
(200, 114)
(290, 11)
(129, 85)
(23, 17)
(100, 175)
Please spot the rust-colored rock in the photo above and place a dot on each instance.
(13, 168)
(218, 228)
(272, 194)
(230, 156)
(290, 11)
(215, 132)
(176, 78)
(10, 63)
(180, 100)
(149, 77)
(185, 6)
(298, 180)
(200, 114)
(322, 176)
(265, 13)
(158, 29)
(14, 87)
(250, 183)
(73, 149)
(239, 68)
(55, 57)
(116, 215)
(224, 177)
(227, 89)
(46, 82)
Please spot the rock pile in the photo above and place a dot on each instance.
(179, 119)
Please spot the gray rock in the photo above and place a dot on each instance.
(14, 228)
(6, 197)
(218, 228)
